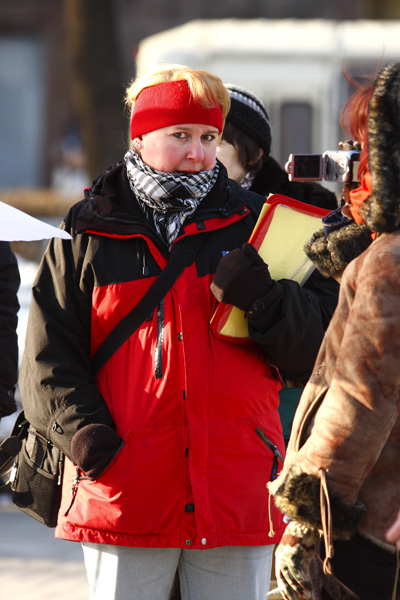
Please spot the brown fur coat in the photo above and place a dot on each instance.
(347, 422)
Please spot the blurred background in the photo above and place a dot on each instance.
(64, 65)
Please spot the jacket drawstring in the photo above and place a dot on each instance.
(326, 521)
(271, 532)
(274, 472)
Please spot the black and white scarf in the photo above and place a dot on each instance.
(171, 197)
(247, 180)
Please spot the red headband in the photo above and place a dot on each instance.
(170, 103)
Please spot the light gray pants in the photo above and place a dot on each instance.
(226, 573)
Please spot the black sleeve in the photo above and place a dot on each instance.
(57, 385)
(9, 306)
(327, 291)
(291, 329)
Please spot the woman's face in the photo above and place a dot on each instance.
(187, 148)
(229, 157)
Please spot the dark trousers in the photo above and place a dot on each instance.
(361, 571)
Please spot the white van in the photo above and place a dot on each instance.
(294, 66)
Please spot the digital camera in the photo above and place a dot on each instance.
(333, 165)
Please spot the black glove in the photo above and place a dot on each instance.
(93, 447)
(241, 278)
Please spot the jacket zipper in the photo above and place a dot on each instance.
(158, 367)
(274, 449)
(274, 472)
(78, 477)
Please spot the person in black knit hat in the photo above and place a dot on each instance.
(245, 151)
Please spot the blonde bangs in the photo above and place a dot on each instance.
(206, 88)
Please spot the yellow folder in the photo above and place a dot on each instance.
(282, 229)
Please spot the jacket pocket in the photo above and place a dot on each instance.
(278, 456)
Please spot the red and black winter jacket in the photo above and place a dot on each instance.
(194, 411)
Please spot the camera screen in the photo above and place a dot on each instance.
(307, 166)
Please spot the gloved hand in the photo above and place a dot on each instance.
(93, 448)
(292, 561)
(350, 145)
(241, 278)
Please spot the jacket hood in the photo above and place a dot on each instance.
(381, 211)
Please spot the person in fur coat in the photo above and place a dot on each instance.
(340, 485)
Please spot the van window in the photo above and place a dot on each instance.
(296, 129)
(22, 123)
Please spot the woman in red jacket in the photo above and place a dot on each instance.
(170, 445)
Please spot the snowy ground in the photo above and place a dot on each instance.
(27, 270)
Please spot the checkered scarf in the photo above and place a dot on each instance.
(247, 180)
(171, 197)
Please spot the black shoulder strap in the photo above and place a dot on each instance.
(182, 256)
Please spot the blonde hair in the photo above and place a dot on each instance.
(206, 88)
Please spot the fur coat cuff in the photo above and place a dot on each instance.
(298, 497)
(331, 253)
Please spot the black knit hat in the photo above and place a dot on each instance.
(248, 113)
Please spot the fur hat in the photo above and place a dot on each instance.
(381, 211)
(249, 114)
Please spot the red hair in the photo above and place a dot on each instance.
(354, 117)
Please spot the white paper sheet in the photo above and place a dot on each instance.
(16, 226)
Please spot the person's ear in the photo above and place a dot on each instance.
(257, 159)
(137, 142)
